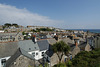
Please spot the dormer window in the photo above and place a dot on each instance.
(33, 54)
(35, 47)
(29, 48)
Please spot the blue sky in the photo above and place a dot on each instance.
(68, 14)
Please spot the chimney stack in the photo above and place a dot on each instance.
(75, 43)
(56, 37)
(34, 38)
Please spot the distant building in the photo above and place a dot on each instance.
(1, 27)
(85, 47)
(74, 49)
(34, 27)
(57, 29)
(6, 37)
(94, 41)
(51, 41)
(1, 31)
(45, 36)
(16, 29)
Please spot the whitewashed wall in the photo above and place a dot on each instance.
(3, 58)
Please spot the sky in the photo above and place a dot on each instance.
(66, 14)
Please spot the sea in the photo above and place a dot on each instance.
(90, 30)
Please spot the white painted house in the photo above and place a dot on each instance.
(1, 31)
(30, 48)
(36, 49)
(3, 61)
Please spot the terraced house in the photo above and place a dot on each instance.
(6, 37)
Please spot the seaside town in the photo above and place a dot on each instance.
(49, 33)
(41, 46)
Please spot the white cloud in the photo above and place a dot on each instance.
(11, 14)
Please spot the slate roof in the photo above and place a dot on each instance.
(83, 45)
(72, 48)
(48, 36)
(51, 41)
(23, 52)
(13, 57)
(43, 45)
(67, 40)
(8, 49)
(10, 34)
(18, 53)
(28, 45)
(45, 37)
(50, 52)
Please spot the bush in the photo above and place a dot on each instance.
(84, 59)
(87, 59)
(69, 63)
(60, 65)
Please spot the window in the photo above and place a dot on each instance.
(3, 62)
(33, 54)
(35, 47)
(10, 37)
(29, 48)
(42, 53)
(19, 38)
(36, 53)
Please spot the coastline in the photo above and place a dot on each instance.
(85, 30)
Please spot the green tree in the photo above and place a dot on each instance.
(60, 48)
(16, 25)
(60, 65)
(45, 65)
(69, 63)
(40, 65)
(29, 66)
(84, 59)
(7, 25)
(87, 59)
(23, 32)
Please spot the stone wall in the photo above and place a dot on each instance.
(87, 47)
(22, 61)
(75, 51)
(54, 59)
